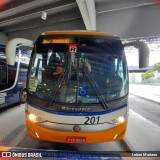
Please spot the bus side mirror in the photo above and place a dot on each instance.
(143, 52)
(11, 48)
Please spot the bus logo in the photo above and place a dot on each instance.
(73, 48)
(76, 128)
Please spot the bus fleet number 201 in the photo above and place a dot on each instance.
(92, 120)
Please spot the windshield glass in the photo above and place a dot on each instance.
(78, 70)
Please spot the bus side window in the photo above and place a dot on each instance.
(7, 77)
(3, 77)
(11, 76)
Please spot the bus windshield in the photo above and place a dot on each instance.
(77, 69)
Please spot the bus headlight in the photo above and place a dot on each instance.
(34, 118)
(119, 120)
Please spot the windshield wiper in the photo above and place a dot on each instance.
(60, 80)
(100, 96)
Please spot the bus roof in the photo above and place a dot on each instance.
(77, 32)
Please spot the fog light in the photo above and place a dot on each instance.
(37, 134)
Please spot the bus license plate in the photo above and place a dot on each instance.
(76, 139)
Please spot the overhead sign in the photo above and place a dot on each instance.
(73, 48)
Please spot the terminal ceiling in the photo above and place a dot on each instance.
(20, 15)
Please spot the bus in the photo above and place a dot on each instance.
(77, 87)
(13, 79)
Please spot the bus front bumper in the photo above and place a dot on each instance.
(113, 134)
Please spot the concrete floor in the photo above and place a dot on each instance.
(144, 121)
(12, 123)
(150, 91)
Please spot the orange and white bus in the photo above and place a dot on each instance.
(77, 87)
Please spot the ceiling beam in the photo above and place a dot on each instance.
(84, 12)
(88, 12)
(37, 14)
(36, 23)
(92, 12)
(26, 7)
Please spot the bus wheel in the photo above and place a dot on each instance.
(23, 96)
